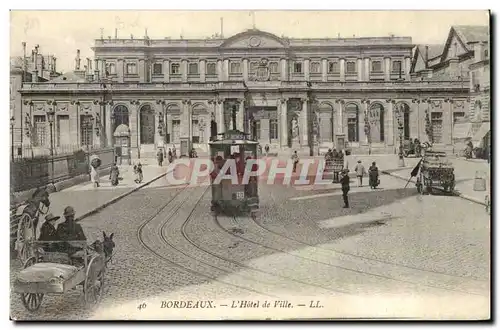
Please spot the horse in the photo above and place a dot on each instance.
(106, 246)
(37, 205)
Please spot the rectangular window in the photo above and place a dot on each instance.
(437, 127)
(175, 68)
(273, 67)
(131, 68)
(397, 66)
(333, 67)
(256, 129)
(86, 125)
(157, 68)
(63, 135)
(40, 128)
(315, 67)
(297, 67)
(458, 116)
(253, 67)
(196, 131)
(351, 67)
(376, 66)
(211, 69)
(176, 131)
(235, 67)
(273, 129)
(352, 129)
(193, 68)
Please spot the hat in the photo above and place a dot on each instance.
(51, 217)
(69, 211)
(359, 161)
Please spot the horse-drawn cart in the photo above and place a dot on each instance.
(50, 271)
(436, 171)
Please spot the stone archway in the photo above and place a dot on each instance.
(147, 122)
(375, 120)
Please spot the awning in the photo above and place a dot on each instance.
(480, 134)
(462, 130)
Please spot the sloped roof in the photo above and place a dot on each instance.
(68, 77)
(435, 50)
(472, 33)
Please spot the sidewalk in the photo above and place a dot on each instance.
(465, 172)
(86, 199)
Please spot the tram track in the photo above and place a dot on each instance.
(297, 244)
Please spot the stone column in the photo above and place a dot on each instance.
(226, 69)
(220, 116)
(119, 69)
(304, 125)
(220, 74)
(142, 71)
(245, 69)
(134, 124)
(284, 122)
(367, 69)
(306, 69)
(184, 72)
(324, 70)
(407, 68)
(166, 70)
(390, 122)
(342, 69)
(387, 69)
(203, 66)
(363, 138)
(109, 129)
(284, 70)
(185, 129)
(240, 115)
(447, 121)
(360, 69)
(340, 119)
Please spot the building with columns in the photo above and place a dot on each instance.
(287, 93)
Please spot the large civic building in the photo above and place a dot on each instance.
(287, 93)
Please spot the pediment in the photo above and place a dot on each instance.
(254, 39)
(454, 46)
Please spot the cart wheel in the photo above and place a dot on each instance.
(25, 232)
(94, 281)
(32, 301)
(30, 262)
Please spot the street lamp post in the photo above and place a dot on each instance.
(12, 121)
(368, 132)
(401, 132)
(50, 117)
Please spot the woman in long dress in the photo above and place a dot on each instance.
(94, 176)
(113, 175)
(373, 175)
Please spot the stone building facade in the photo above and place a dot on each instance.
(287, 93)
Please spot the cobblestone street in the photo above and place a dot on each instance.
(391, 244)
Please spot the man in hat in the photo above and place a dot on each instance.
(69, 230)
(344, 181)
(48, 230)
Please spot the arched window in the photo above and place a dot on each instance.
(375, 119)
(326, 128)
(352, 112)
(120, 116)
(147, 122)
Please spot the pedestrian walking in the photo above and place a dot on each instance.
(344, 181)
(159, 156)
(114, 175)
(138, 173)
(174, 152)
(295, 159)
(360, 172)
(170, 156)
(94, 176)
(266, 148)
(373, 176)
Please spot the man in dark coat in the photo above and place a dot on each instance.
(344, 180)
(69, 230)
(48, 230)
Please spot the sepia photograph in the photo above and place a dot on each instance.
(250, 165)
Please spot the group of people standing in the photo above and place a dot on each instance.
(171, 154)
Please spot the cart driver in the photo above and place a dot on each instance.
(69, 230)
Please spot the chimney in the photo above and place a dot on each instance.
(77, 60)
(116, 33)
(54, 64)
(24, 61)
(34, 75)
(426, 58)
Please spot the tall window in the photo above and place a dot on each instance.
(376, 66)
(333, 67)
(131, 68)
(477, 109)
(175, 68)
(273, 129)
(193, 68)
(315, 67)
(211, 70)
(196, 131)
(40, 128)
(176, 130)
(157, 68)
(437, 126)
(396, 66)
(256, 129)
(352, 112)
(351, 67)
(235, 67)
(273, 67)
(86, 124)
(63, 131)
(111, 68)
(297, 67)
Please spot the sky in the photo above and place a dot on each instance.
(61, 33)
